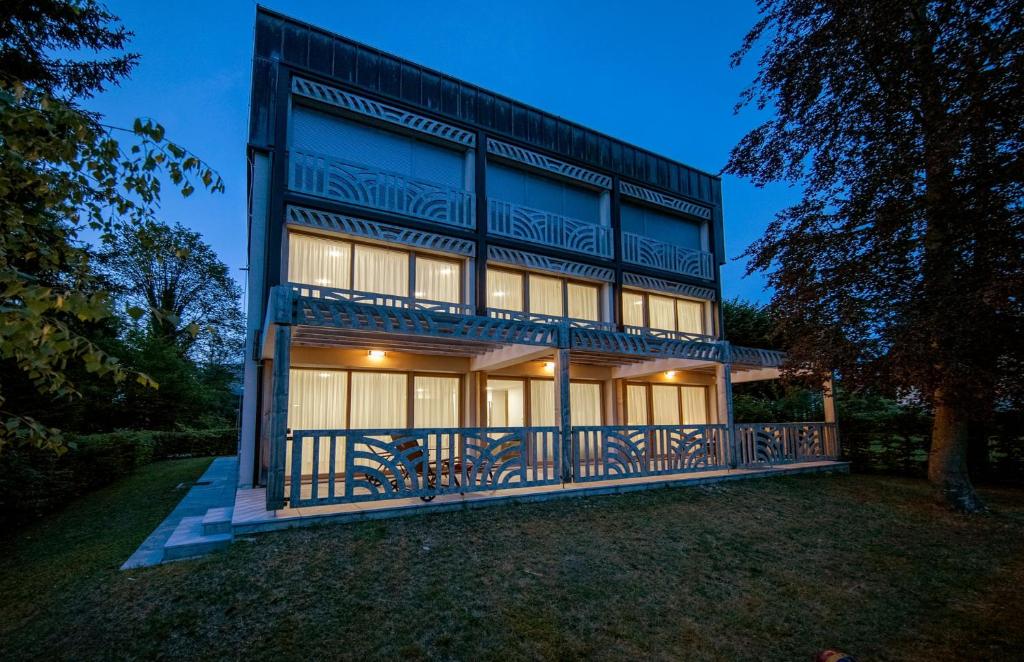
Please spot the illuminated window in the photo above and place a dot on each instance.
(655, 311)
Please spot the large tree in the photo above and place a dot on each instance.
(63, 171)
(902, 263)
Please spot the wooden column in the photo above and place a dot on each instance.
(828, 400)
(279, 416)
(831, 432)
(562, 411)
(723, 388)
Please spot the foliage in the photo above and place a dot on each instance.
(62, 172)
(748, 324)
(903, 264)
(35, 481)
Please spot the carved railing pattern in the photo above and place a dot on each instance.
(781, 443)
(649, 252)
(664, 333)
(769, 358)
(612, 452)
(546, 263)
(606, 342)
(547, 229)
(658, 284)
(668, 201)
(361, 227)
(368, 186)
(374, 299)
(556, 166)
(501, 313)
(340, 466)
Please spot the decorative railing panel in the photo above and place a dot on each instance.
(608, 342)
(368, 186)
(780, 443)
(613, 452)
(649, 252)
(374, 299)
(664, 333)
(547, 229)
(502, 314)
(768, 358)
(342, 466)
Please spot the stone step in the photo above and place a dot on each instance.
(188, 540)
(217, 521)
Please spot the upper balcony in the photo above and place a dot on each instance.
(650, 252)
(546, 228)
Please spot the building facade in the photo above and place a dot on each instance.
(452, 292)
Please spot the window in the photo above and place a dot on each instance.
(544, 193)
(436, 402)
(317, 400)
(510, 402)
(670, 404)
(655, 311)
(664, 227)
(543, 295)
(378, 400)
(347, 265)
(321, 133)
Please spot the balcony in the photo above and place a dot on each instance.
(536, 226)
(369, 186)
(374, 299)
(502, 314)
(664, 333)
(648, 252)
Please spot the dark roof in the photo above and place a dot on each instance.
(281, 39)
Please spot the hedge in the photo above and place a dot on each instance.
(34, 482)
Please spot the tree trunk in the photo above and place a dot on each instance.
(947, 462)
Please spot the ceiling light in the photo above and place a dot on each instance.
(376, 354)
(670, 374)
(549, 366)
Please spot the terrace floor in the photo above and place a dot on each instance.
(251, 515)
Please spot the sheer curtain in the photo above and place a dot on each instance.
(505, 403)
(504, 290)
(318, 261)
(436, 402)
(546, 295)
(583, 301)
(381, 271)
(665, 404)
(316, 401)
(542, 402)
(437, 280)
(585, 403)
(695, 405)
(378, 400)
(636, 404)
(663, 312)
(632, 309)
(691, 316)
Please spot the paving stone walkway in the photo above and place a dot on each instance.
(214, 489)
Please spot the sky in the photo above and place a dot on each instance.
(655, 74)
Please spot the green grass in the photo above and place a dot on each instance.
(768, 570)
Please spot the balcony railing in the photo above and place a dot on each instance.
(548, 229)
(369, 186)
(664, 333)
(375, 299)
(339, 466)
(502, 314)
(648, 252)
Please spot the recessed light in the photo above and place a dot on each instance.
(670, 374)
(376, 354)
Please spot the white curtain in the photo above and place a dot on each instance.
(505, 403)
(378, 400)
(435, 402)
(437, 280)
(695, 405)
(665, 404)
(583, 301)
(663, 312)
(381, 271)
(542, 402)
(546, 295)
(585, 403)
(632, 309)
(317, 400)
(504, 290)
(636, 404)
(691, 316)
(319, 261)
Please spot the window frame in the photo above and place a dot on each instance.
(525, 274)
(645, 296)
(528, 398)
(649, 388)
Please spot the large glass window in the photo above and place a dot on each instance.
(345, 265)
(544, 193)
(378, 400)
(317, 400)
(506, 403)
(436, 402)
(509, 400)
(664, 227)
(542, 295)
(657, 311)
(670, 404)
(321, 133)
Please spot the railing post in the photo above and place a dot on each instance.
(831, 427)
(562, 413)
(279, 416)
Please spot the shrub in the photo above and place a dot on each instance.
(195, 443)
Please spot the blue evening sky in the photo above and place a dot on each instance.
(655, 74)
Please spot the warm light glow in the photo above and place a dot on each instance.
(324, 375)
(549, 366)
(376, 354)
(670, 374)
(420, 293)
(638, 302)
(499, 294)
(334, 252)
(447, 271)
(323, 281)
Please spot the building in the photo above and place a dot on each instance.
(451, 292)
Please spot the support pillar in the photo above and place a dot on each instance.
(831, 431)
(723, 383)
(279, 416)
(562, 412)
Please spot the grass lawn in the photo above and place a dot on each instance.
(762, 570)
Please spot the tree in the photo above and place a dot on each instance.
(902, 263)
(63, 171)
(173, 279)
